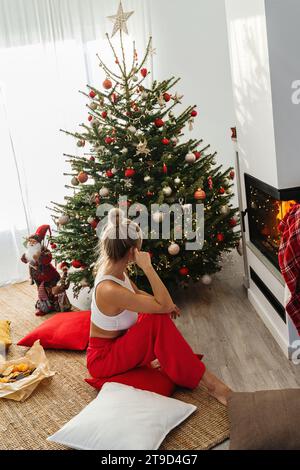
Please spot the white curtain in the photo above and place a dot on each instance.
(47, 53)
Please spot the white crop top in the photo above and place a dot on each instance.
(123, 320)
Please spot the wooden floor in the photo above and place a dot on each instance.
(219, 322)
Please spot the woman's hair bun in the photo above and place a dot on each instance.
(115, 216)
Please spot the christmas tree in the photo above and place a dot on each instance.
(136, 148)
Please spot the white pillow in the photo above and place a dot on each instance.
(123, 418)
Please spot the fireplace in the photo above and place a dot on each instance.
(266, 206)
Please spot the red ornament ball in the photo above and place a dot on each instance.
(200, 195)
(232, 222)
(221, 190)
(104, 114)
(129, 172)
(76, 264)
(197, 154)
(109, 174)
(92, 94)
(92, 159)
(194, 113)
(90, 117)
(184, 271)
(144, 72)
(159, 122)
(150, 194)
(107, 84)
(220, 237)
(109, 140)
(165, 169)
(232, 175)
(165, 141)
(167, 97)
(53, 246)
(63, 265)
(83, 177)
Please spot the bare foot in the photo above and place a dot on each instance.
(155, 364)
(216, 388)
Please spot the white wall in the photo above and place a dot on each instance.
(247, 32)
(191, 41)
(283, 30)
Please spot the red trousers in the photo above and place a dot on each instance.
(153, 336)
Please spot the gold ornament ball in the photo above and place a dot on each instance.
(167, 191)
(206, 279)
(63, 220)
(190, 158)
(174, 249)
(104, 192)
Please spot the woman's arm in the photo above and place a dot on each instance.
(174, 314)
(160, 292)
(115, 297)
(139, 291)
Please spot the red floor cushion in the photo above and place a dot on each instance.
(68, 330)
(145, 378)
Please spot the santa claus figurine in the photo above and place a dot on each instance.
(42, 272)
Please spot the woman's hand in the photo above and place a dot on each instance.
(142, 259)
(175, 313)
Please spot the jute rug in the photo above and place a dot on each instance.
(27, 425)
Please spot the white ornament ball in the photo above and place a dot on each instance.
(225, 210)
(75, 181)
(104, 192)
(132, 129)
(63, 220)
(94, 105)
(114, 171)
(190, 158)
(158, 217)
(174, 249)
(147, 178)
(124, 151)
(206, 279)
(167, 191)
(174, 140)
(90, 220)
(177, 180)
(144, 95)
(135, 78)
(229, 191)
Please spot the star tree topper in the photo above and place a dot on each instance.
(120, 20)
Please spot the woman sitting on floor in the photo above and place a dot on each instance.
(121, 338)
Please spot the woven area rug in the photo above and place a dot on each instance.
(27, 425)
(207, 427)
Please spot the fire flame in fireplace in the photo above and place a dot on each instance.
(283, 208)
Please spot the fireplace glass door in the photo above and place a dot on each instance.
(266, 207)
